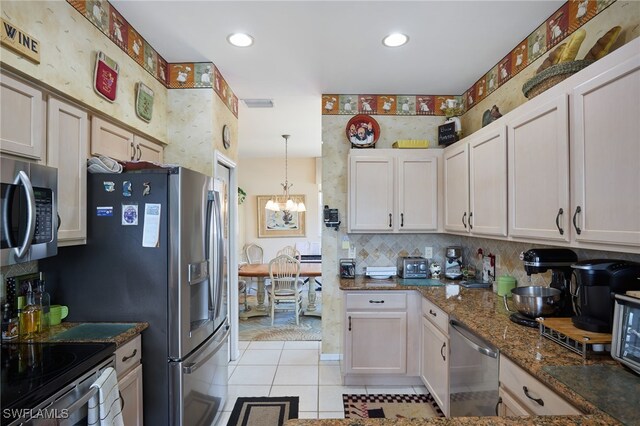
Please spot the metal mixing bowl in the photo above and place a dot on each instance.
(534, 301)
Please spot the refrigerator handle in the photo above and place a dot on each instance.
(208, 235)
(219, 252)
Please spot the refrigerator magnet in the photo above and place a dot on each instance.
(126, 188)
(151, 229)
(109, 186)
(147, 189)
(104, 211)
(129, 214)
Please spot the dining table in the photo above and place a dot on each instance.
(261, 272)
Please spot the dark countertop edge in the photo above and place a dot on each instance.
(584, 420)
(510, 351)
(119, 340)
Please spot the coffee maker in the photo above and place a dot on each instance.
(598, 281)
(559, 261)
(453, 263)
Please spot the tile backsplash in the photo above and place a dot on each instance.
(15, 270)
(383, 250)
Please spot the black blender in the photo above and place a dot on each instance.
(540, 260)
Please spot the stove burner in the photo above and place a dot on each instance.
(522, 320)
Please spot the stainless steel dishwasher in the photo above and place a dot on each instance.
(473, 373)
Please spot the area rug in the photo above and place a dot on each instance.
(264, 411)
(383, 406)
(284, 327)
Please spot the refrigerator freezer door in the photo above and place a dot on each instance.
(190, 273)
(198, 384)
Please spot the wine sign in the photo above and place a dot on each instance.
(447, 134)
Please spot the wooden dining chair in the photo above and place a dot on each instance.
(293, 252)
(285, 287)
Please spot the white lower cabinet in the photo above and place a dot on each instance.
(434, 363)
(129, 371)
(526, 395)
(434, 353)
(380, 326)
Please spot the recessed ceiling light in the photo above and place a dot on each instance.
(240, 39)
(395, 40)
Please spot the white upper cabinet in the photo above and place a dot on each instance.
(111, 140)
(605, 157)
(488, 182)
(393, 191)
(147, 150)
(538, 151)
(475, 184)
(24, 107)
(67, 140)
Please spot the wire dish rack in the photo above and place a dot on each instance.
(584, 343)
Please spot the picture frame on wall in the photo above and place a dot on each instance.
(281, 223)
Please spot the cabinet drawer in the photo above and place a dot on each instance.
(128, 356)
(376, 300)
(436, 315)
(515, 380)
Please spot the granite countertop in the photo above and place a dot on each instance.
(55, 333)
(484, 312)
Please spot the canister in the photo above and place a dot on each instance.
(505, 284)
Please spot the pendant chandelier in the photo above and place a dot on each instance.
(285, 202)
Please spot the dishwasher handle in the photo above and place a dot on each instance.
(472, 340)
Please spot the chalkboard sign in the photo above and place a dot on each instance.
(447, 134)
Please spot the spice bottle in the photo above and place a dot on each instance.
(30, 317)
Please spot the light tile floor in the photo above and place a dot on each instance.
(293, 368)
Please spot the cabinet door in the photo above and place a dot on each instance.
(417, 194)
(131, 390)
(23, 107)
(605, 156)
(376, 343)
(538, 143)
(67, 136)
(111, 140)
(434, 365)
(488, 182)
(147, 150)
(371, 187)
(456, 188)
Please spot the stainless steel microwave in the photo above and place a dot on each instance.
(28, 213)
(625, 345)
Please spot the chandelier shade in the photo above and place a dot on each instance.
(285, 202)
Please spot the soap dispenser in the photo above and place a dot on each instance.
(43, 299)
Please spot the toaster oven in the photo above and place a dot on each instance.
(412, 267)
(625, 345)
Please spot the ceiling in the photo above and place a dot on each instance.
(303, 49)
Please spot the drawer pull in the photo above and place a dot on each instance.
(389, 220)
(470, 216)
(349, 323)
(538, 400)
(464, 216)
(376, 301)
(127, 358)
(575, 225)
(444, 345)
(498, 406)
(401, 220)
(433, 313)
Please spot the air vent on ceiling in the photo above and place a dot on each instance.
(258, 103)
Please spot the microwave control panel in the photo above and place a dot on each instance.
(44, 215)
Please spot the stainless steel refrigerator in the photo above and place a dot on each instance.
(155, 253)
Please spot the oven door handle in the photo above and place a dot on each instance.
(469, 337)
(79, 404)
(22, 178)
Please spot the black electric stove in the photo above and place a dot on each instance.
(33, 371)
